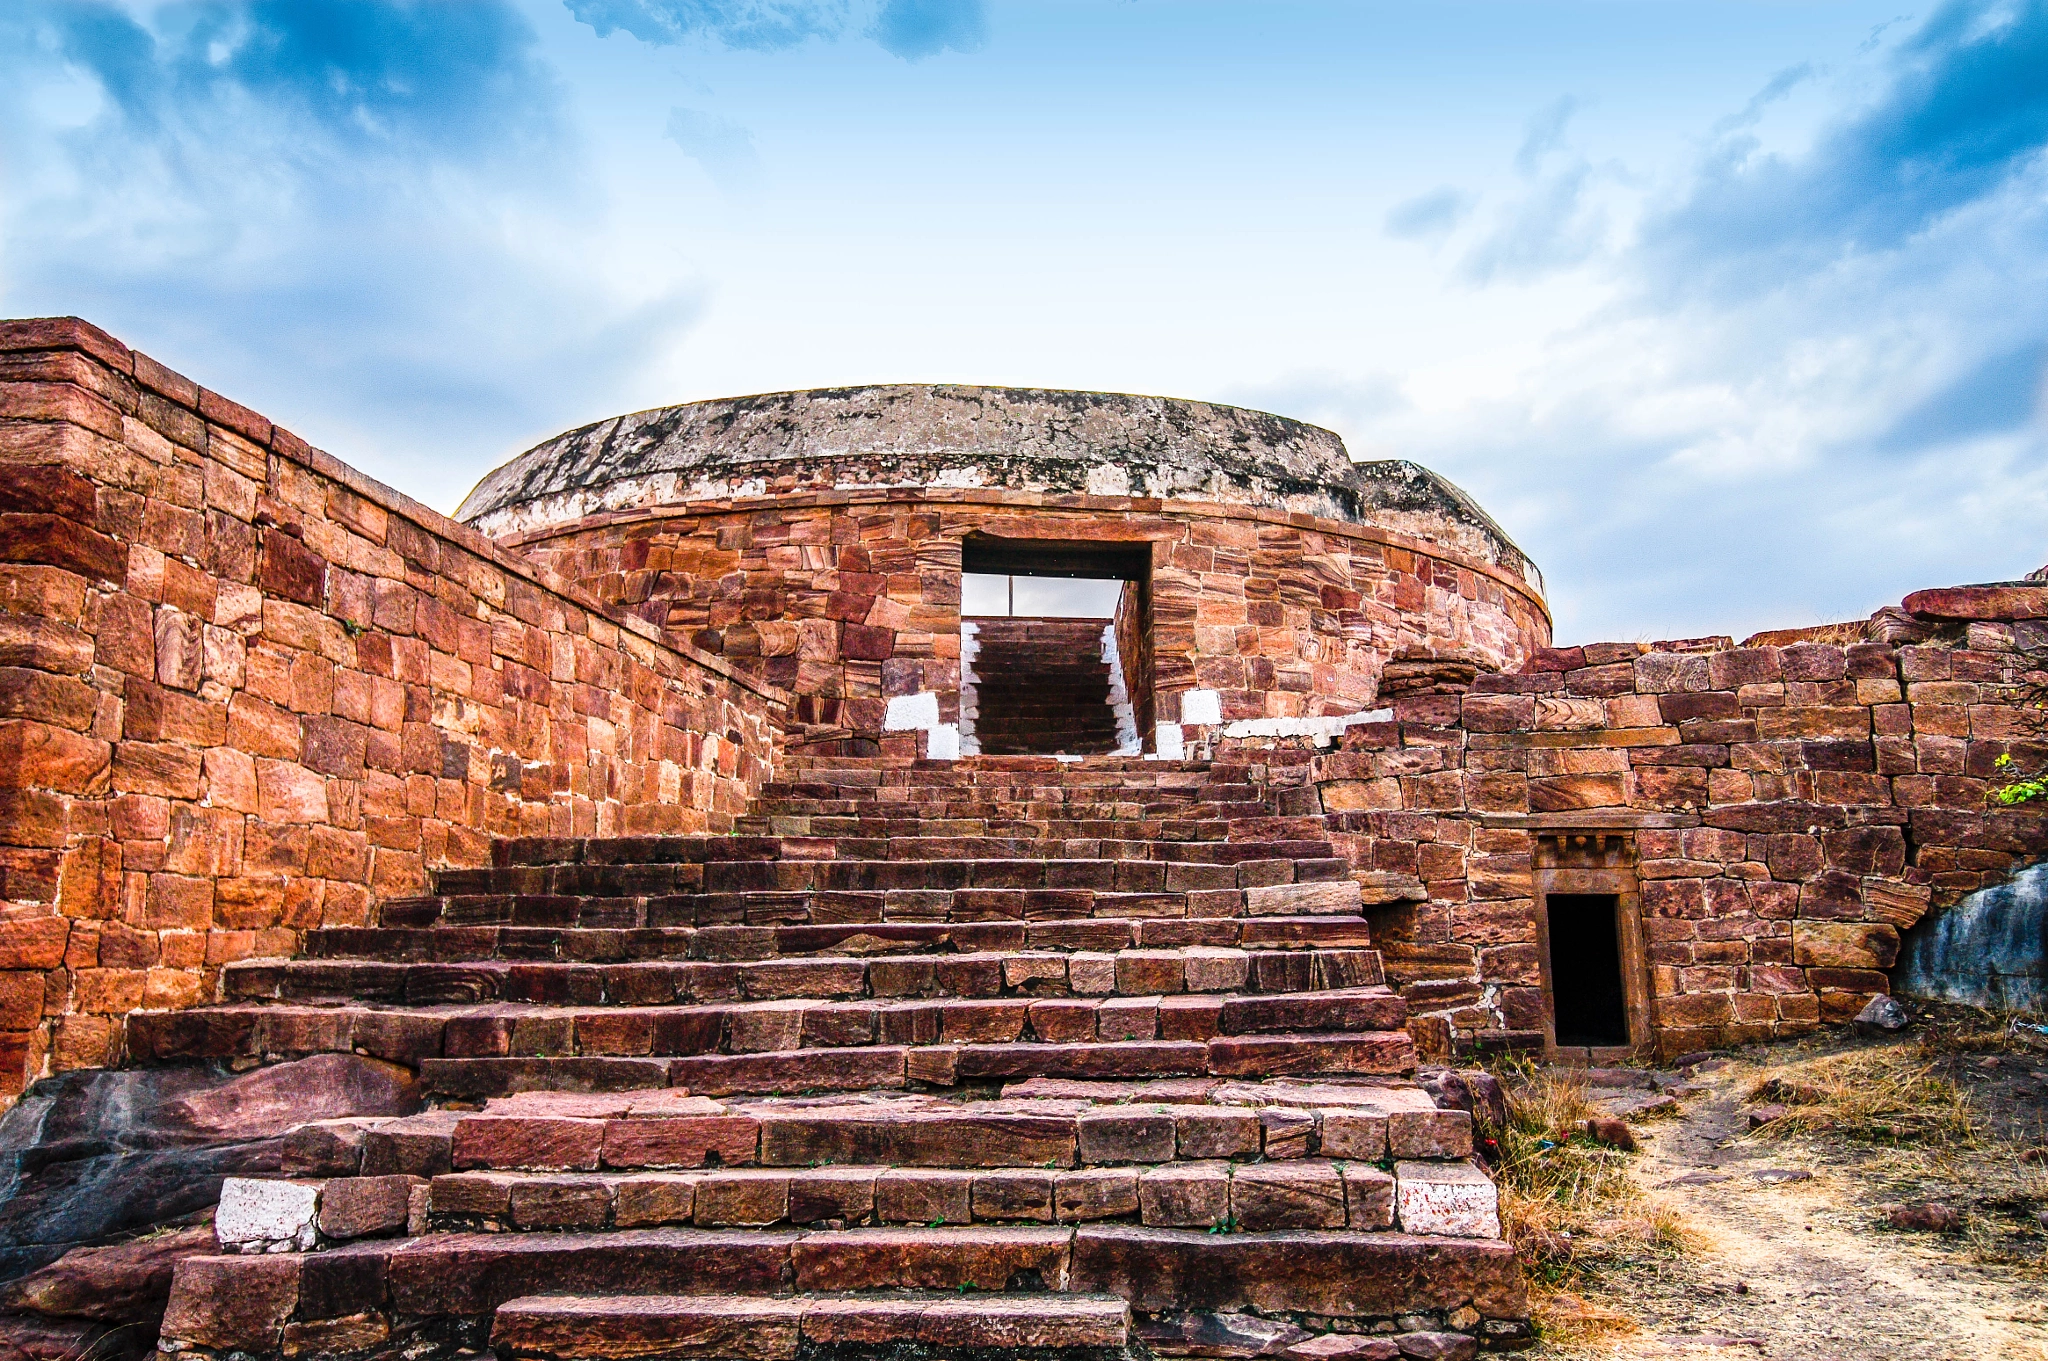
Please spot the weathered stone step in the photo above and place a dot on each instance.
(892, 1066)
(643, 860)
(1180, 1120)
(1309, 1193)
(894, 893)
(698, 1034)
(1027, 974)
(1046, 792)
(838, 818)
(742, 1328)
(1108, 769)
(373, 1289)
(585, 1132)
(914, 900)
(1024, 806)
(395, 944)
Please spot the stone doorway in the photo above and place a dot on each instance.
(1595, 974)
(1055, 648)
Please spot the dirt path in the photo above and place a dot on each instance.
(1794, 1262)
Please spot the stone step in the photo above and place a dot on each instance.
(813, 785)
(1204, 1120)
(742, 1328)
(998, 678)
(766, 908)
(893, 893)
(394, 944)
(936, 1064)
(1079, 743)
(1020, 974)
(1070, 1030)
(838, 818)
(451, 1284)
(803, 861)
(1123, 772)
(627, 1132)
(1158, 803)
(1308, 1193)
(1107, 769)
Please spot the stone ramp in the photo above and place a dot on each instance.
(734, 1096)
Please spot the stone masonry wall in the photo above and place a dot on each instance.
(245, 690)
(850, 598)
(1787, 812)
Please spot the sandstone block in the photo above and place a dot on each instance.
(233, 1303)
(1121, 1135)
(1215, 1132)
(1018, 1194)
(527, 1141)
(570, 1201)
(1185, 1195)
(1368, 1196)
(1127, 1018)
(366, 1207)
(1430, 1134)
(1287, 1195)
(1844, 945)
(905, 1195)
(1208, 969)
(1289, 900)
(328, 1148)
(1346, 1133)
(1452, 1200)
(1331, 1273)
(1090, 974)
(267, 1216)
(1286, 1133)
(1343, 1347)
(747, 1196)
(1094, 1193)
(644, 1201)
(478, 1195)
(1190, 1017)
(930, 1259)
(730, 1328)
(729, 1140)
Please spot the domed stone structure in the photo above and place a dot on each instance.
(817, 540)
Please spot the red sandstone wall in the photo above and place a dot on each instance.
(849, 598)
(1814, 800)
(244, 690)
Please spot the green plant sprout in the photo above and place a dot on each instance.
(2018, 791)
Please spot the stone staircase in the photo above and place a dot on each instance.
(1042, 686)
(1006, 1054)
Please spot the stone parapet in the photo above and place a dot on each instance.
(247, 690)
(1780, 813)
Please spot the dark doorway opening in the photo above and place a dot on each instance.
(1586, 993)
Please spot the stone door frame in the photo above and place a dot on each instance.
(1594, 859)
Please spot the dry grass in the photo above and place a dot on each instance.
(1890, 1095)
(1570, 1207)
(1904, 1116)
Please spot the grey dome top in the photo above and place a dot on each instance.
(1020, 439)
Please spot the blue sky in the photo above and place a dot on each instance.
(1736, 316)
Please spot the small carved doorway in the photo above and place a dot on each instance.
(1596, 980)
